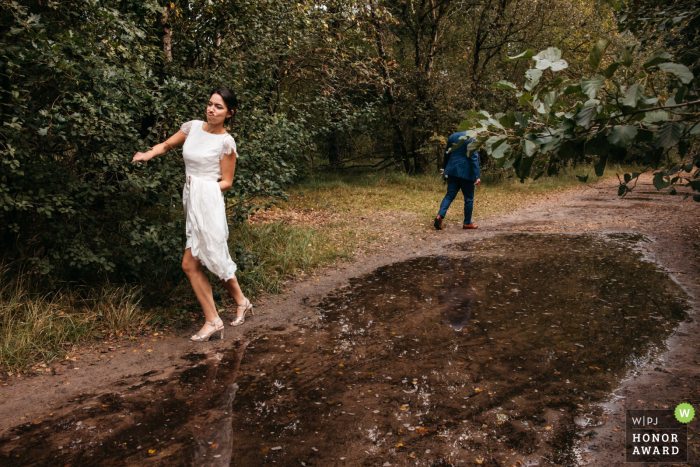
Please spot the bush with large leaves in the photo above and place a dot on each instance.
(85, 85)
(621, 107)
(645, 109)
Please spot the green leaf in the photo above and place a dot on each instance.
(656, 58)
(522, 118)
(523, 165)
(582, 178)
(611, 69)
(628, 178)
(572, 89)
(466, 125)
(585, 115)
(696, 198)
(654, 116)
(634, 93)
(532, 76)
(478, 142)
(695, 130)
(529, 147)
(501, 150)
(508, 120)
(597, 53)
(503, 84)
(549, 100)
(661, 181)
(494, 142)
(626, 58)
(472, 133)
(622, 135)
(680, 94)
(670, 134)
(592, 85)
(681, 71)
(525, 99)
(527, 54)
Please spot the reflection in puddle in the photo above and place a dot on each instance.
(492, 352)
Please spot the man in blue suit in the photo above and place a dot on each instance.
(462, 173)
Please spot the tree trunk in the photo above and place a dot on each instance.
(335, 147)
(167, 37)
(389, 93)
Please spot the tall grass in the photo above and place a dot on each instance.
(42, 327)
(286, 251)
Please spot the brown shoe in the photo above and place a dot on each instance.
(438, 222)
(470, 226)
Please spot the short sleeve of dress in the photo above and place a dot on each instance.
(228, 146)
(186, 127)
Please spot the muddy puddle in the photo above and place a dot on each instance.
(492, 353)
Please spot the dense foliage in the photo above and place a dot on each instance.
(636, 103)
(86, 84)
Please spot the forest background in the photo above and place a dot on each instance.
(366, 91)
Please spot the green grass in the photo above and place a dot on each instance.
(356, 195)
(284, 252)
(40, 327)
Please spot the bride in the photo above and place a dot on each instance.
(210, 162)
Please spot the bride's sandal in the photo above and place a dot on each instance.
(248, 308)
(199, 337)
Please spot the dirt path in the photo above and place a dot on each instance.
(671, 225)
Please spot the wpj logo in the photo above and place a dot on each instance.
(658, 435)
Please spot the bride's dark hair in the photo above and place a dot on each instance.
(230, 100)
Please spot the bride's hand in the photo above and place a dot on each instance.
(141, 157)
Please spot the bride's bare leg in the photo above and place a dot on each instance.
(234, 290)
(202, 289)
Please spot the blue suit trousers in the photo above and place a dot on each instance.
(454, 184)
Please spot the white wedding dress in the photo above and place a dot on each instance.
(205, 209)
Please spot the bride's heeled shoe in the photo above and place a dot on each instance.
(248, 308)
(199, 337)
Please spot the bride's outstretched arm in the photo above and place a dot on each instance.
(176, 140)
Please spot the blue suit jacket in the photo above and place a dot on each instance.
(458, 163)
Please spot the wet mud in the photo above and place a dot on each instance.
(493, 353)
